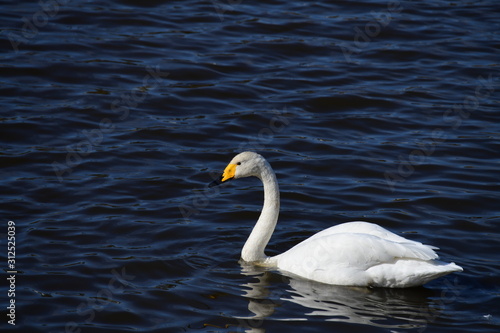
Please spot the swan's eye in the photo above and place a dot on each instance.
(239, 163)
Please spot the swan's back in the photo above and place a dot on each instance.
(360, 227)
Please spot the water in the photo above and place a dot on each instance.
(116, 115)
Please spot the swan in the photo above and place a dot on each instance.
(357, 253)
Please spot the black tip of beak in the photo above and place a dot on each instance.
(216, 182)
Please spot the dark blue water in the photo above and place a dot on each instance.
(115, 115)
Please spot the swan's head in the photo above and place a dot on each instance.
(244, 164)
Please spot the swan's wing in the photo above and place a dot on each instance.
(360, 249)
(344, 258)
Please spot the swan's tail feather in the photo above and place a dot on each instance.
(410, 273)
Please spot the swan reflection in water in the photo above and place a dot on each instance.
(379, 307)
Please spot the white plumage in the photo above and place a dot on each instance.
(353, 253)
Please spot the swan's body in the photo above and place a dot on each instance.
(353, 253)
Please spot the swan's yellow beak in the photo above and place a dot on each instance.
(228, 174)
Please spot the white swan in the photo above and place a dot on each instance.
(353, 253)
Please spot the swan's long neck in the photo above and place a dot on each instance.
(253, 250)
